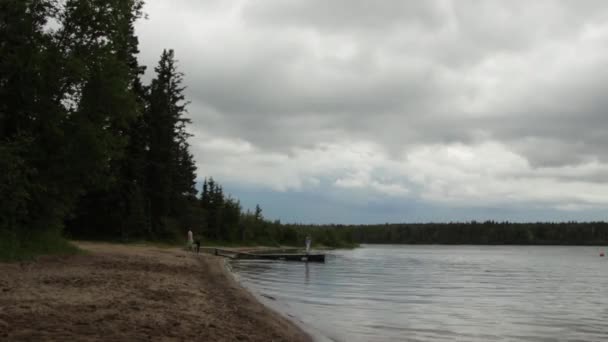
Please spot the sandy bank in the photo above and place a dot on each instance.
(128, 293)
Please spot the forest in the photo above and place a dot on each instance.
(90, 151)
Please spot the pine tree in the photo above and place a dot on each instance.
(131, 171)
(205, 195)
(185, 173)
(170, 166)
(233, 230)
(107, 119)
(212, 209)
(35, 196)
(218, 207)
(258, 213)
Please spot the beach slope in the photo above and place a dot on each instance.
(132, 293)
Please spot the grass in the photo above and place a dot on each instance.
(34, 244)
(219, 243)
(139, 242)
(174, 244)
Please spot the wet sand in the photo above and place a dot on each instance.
(132, 293)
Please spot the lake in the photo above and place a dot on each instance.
(441, 293)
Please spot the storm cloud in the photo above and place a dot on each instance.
(458, 104)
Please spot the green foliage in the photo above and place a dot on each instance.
(149, 191)
(221, 221)
(15, 246)
(170, 166)
(67, 99)
(37, 186)
(16, 184)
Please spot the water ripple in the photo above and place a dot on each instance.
(439, 293)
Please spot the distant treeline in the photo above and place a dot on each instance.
(489, 232)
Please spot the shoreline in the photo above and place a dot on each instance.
(124, 292)
(277, 307)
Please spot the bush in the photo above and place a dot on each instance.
(32, 244)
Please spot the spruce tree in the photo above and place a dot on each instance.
(131, 170)
(231, 219)
(218, 207)
(107, 118)
(35, 196)
(170, 167)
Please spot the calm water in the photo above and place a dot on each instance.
(442, 293)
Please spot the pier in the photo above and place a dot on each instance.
(302, 257)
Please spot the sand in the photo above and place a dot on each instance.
(132, 293)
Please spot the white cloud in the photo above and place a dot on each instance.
(486, 174)
(462, 103)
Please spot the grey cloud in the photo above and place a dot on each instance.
(345, 14)
(286, 74)
(272, 94)
(551, 152)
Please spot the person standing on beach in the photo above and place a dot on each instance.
(190, 239)
(308, 242)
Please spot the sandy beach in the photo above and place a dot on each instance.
(132, 293)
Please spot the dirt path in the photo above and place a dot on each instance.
(127, 293)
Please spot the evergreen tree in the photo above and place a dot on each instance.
(218, 207)
(131, 170)
(107, 117)
(170, 168)
(185, 174)
(205, 195)
(258, 213)
(35, 196)
(233, 230)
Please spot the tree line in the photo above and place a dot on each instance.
(476, 233)
(86, 148)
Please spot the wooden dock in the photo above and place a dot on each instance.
(302, 257)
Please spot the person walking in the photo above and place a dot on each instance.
(190, 239)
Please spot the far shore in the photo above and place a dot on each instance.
(114, 292)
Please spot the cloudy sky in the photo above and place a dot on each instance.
(396, 111)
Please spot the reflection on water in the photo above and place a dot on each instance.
(439, 293)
